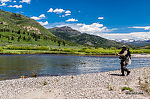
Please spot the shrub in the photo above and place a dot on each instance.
(45, 83)
(127, 88)
(83, 49)
(68, 50)
(55, 49)
(1, 49)
(17, 47)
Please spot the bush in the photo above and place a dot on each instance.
(68, 50)
(45, 83)
(127, 88)
(13, 47)
(1, 49)
(55, 49)
(83, 49)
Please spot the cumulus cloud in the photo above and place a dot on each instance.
(44, 23)
(100, 18)
(144, 27)
(59, 11)
(15, 6)
(26, 1)
(68, 11)
(3, 4)
(2, 1)
(67, 14)
(42, 16)
(72, 20)
(132, 35)
(50, 10)
(94, 28)
(14, 1)
(35, 18)
(105, 32)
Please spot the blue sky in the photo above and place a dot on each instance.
(112, 19)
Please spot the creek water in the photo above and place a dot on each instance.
(14, 66)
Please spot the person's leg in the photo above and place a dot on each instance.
(122, 69)
(125, 68)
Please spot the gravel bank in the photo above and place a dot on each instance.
(106, 85)
(141, 55)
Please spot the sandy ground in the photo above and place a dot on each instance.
(141, 55)
(106, 85)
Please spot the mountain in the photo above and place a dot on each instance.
(69, 34)
(137, 43)
(19, 29)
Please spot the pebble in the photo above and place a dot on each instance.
(84, 86)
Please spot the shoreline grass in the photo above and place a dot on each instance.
(27, 49)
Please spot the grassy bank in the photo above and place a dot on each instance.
(27, 49)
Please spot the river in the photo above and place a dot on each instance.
(14, 66)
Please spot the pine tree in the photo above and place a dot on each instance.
(12, 38)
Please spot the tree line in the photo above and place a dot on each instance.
(28, 36)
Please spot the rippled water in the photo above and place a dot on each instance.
(14, 66)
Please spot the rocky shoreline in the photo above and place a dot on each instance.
(105, 85)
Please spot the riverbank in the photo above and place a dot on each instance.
(68, 54)
(24, 49)
(106, 85)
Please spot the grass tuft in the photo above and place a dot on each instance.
(127, 88)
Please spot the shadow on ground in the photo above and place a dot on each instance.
(115, 74)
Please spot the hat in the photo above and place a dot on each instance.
(124, 46)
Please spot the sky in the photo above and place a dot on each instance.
(111, 19)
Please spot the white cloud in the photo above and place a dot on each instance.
(3, 4)
(67, 14)
(132, 35)
(26, 1)
(94, 28)
(42, 16)
(100, 18)
(14, 1)
(72, 20)
(102, 31)
(2, 1)
(144, 27)
(64, 15)
(58, 11)
(35, 18)
(15, 6)
(50, 10)
(68, 11)
(44, 23)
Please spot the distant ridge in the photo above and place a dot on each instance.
(19, 29)
(67, 33)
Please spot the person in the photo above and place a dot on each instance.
(124, 56)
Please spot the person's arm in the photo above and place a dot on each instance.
(123, 54)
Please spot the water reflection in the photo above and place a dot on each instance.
(14, 66)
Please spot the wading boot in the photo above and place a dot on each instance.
(128, 72)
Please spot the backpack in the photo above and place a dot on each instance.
(128, 53)
(126, 56)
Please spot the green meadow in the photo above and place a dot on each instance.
(30, 49)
